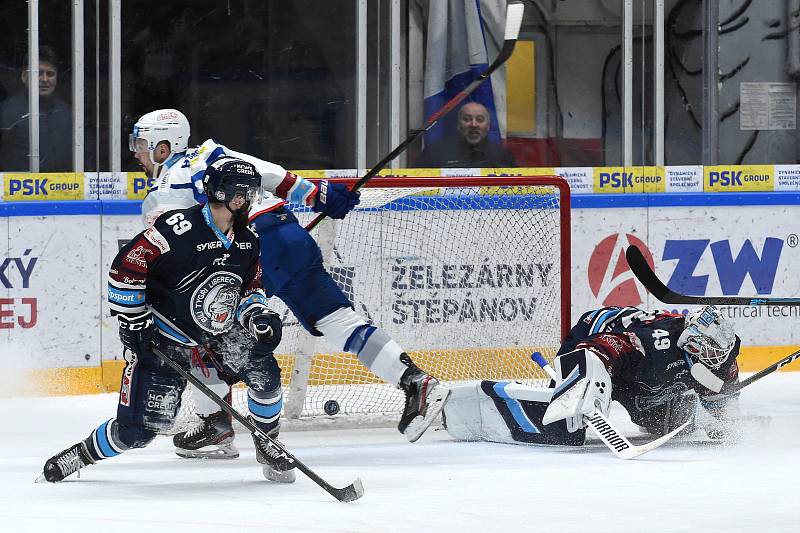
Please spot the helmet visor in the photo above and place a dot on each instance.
(138, 144)
(231, 189)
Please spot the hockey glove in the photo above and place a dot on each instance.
(137, 332)
(265, 326)
(335, 199)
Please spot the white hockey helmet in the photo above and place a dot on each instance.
(160, 125)
(708, 337)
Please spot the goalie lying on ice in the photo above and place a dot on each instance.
(659, 366)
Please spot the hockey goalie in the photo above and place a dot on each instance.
(659, 366)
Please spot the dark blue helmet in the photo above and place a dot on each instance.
(228, 177)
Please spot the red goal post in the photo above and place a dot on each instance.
(468, 274)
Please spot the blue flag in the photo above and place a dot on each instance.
(455, 55)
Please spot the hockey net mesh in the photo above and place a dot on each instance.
(466, 275)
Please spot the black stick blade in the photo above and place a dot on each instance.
(645, 274)
(656, 287)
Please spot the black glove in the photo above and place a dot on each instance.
(265, 326)
(335, 199)
(138, 332)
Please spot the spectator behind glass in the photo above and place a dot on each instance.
(471, 148)
(55, 122)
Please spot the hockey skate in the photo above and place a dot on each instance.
(66, 463)
(211, 438)
(276, 467)
(425, 399)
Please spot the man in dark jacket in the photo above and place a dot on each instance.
(472, 148)
(55, 123)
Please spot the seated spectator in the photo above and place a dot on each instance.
(471, 148)
(55, 122)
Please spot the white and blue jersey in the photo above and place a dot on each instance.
(291, 260)
(180, 183)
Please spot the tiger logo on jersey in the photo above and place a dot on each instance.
(214, 302)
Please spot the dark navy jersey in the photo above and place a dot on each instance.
(191, 275)
(640, 351)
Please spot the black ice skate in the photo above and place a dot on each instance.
(277, 467)
(425, 399)
(211, 438)
(66, 463)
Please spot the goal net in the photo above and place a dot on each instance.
(469, 275)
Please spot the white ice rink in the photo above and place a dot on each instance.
(435, 485)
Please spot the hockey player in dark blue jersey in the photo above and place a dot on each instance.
(190, 284)
(659, 366)
(293, 270)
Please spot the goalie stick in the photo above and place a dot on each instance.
(645, 274)
(736, 387)
(514, 13)
(602, 426)
(346, 494)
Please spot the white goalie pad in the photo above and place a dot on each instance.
(471, 415)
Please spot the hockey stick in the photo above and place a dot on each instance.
(514, 13)
(602, 426)
(736, 387)
(645, 274)
(346, 494)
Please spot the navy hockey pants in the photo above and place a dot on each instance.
(151, 390)
(292, 269)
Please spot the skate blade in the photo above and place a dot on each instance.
(420, 424)
(277, 476)
(217, 452)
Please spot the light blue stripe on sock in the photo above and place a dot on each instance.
(102, 441)
(265, 411)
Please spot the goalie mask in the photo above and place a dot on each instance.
(708, 337)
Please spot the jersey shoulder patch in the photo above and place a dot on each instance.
(157, 239)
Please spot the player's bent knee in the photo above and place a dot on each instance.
(338, 327)
(263, 374)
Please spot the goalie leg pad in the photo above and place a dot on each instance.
(585, 385)
(505, 412)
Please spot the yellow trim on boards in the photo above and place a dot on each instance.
(106, 378)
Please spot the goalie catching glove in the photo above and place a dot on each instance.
(334, 199)
(584, 386)
(138, 332)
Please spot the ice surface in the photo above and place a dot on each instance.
(434, 485)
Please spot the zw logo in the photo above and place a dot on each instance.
(731, 270)
(607, 433)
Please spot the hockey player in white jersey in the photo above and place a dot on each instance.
(293, 271)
